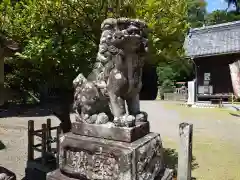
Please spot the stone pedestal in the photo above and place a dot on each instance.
(95, 158)
(125, 134)
(99, 152)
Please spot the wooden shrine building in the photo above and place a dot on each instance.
(212, 49)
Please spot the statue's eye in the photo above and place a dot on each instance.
(108, 26)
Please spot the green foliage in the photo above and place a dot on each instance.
(166, 73)
(59, 38)
(169, 74)
(168, 23)
(220, 16)
(167, 86)
(196, 12)
(54, 37)
(198, 16)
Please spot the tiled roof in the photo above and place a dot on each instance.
(213, 40)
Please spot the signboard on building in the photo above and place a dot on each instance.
(207, 76)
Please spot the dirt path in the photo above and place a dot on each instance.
(164, 119)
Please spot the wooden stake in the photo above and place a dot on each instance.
(58, 145)
(30, 140)
(44, 141)
(185, 151)
(48, 136)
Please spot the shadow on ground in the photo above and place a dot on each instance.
(24, 111)
(29, 110)
(2, 146)
(236, 115)
(171, 160)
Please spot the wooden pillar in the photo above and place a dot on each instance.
(185, 151)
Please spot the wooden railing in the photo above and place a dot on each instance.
(45, 147)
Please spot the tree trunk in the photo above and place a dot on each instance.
(150, 83)
(1, 78)
(62, 109)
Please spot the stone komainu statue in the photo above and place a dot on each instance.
(117, 77)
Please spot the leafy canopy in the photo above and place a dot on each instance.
(59, 38)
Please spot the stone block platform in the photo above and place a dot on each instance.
(124, 134)
(57, 175)
(97, 158)
(91, 158)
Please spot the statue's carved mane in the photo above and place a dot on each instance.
(107, 49)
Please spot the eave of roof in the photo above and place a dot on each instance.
(213, 40)
(211, 55)
(217, 27)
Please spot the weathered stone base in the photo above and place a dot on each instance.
(58, 175)
(90, 158)
(126, 134)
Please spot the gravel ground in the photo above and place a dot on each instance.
(13, 131)
(166, 116)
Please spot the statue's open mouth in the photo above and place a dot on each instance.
(129, 36)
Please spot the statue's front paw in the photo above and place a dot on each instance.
(130, 121)
(125, 121)
(142, 117)
(89, 119)
(102, 118)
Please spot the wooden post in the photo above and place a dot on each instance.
(30, 140)
(58, 145)
(48, 136)
(44, 140)
(185, 151)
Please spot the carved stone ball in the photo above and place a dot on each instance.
(124, 121)
(102, 118)
(142, 117)
(130, 121)
(92, 119)
(110, 124)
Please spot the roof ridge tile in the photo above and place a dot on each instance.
(217, 27)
